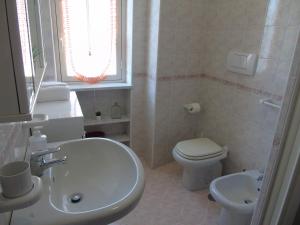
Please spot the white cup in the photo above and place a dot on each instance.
(15, 179)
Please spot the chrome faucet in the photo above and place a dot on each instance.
(260, 178)
(39, 164)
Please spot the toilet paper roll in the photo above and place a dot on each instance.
(193, 108)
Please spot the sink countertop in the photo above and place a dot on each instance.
(61, 109)
(66, 119)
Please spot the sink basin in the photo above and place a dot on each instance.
(101, 182)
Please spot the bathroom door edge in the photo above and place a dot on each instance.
(276, 205)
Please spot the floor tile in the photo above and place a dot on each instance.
(166, 202)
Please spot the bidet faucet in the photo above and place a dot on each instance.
(260, 178)
(39, 164)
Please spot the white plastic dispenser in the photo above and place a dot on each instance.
(38, 141)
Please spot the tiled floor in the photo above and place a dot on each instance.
(166, 202)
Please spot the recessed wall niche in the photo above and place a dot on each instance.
(94, 101)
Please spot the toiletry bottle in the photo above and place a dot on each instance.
(98, 115)
(38, 141)
(116, 111)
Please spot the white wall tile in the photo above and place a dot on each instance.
(13, 140)
(180, 38)
(278, 13)
(294, 13)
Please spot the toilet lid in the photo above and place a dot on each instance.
(200, 148)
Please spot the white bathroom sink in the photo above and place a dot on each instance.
(106, 177)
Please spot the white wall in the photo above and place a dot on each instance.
(194, 38)
(233, 115)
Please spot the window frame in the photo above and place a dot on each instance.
(120, 77)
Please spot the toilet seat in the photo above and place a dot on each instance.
(198, 149)
(201, 161)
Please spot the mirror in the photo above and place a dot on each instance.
(37, 47)
(30, 29)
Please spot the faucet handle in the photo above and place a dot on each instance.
(54, 161)
(38, 154)
(260, 177)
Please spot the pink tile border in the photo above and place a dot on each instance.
(138, 75)
(219, 80)
(244, 87)
(179, 77)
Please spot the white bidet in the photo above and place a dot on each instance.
(237, 194)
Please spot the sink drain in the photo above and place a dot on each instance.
(76, 198)
(247, 201)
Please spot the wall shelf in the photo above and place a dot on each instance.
(101, 86)
(105, 120)
(102, 100)
(119, 137)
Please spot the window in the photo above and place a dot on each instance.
(90, 40)
(24, 38)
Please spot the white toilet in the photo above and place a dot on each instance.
(200, 159)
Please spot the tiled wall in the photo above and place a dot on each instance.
(173, 123)
(180, 49)
(93, 101)
(233, 24)
(193, 39)
(248, 26)
(140, 107)
(13, 142)
(175, 42)
(232, 114)
(175, 79)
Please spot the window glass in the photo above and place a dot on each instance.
(90, 38)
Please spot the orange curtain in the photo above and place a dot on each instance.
(89, 31)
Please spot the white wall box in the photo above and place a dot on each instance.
(242, 63)
(65, 119)
(22, 59)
